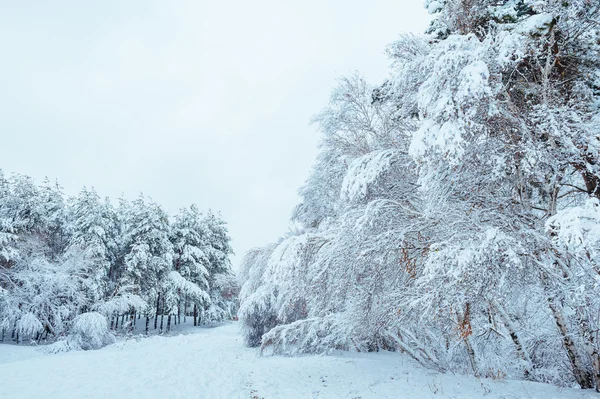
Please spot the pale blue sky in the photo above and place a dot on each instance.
(185, 101)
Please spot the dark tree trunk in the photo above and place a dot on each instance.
(147, 324)
(195, 315)
(156, 315)
(169, 323)
(592, 182)
(162, 316)
(185, 306)
(596, 365)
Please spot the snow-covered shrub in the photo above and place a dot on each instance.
(257, 316)
(29, 325)
(314, 335)
(90, 331)
(225, 295)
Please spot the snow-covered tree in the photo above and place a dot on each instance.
(91, 226)
(191, 261)
(218, 249)
(148, 254)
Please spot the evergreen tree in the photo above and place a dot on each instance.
(148, 255)
(191, 261)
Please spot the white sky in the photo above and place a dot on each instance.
(185, 101)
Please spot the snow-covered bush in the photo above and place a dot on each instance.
(29, 325)
(257, 316)
(90, 331)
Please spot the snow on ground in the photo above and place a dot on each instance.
(213, 363)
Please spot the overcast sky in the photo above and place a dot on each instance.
(186, 101)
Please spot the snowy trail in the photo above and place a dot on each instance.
(213, 363)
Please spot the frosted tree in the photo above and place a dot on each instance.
(90, 232)
(190, 261)
(149, 254)
(256, 309)
(43, 296)
(7, 228)
(356, 122)
(218, 250)
(54, 209)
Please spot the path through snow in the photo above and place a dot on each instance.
(213, 363)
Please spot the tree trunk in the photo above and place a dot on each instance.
(471, 354)
(521, 352)
(156, 314)
(169, 323)
(582, 376)
(147, 323)
(596, 365)
(591, 343)
(162, 316)
(591, 181)
(466, 330)
(185, 306)
(195, 315)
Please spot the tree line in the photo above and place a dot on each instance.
(62, 257)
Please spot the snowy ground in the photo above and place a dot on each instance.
(213, 363)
